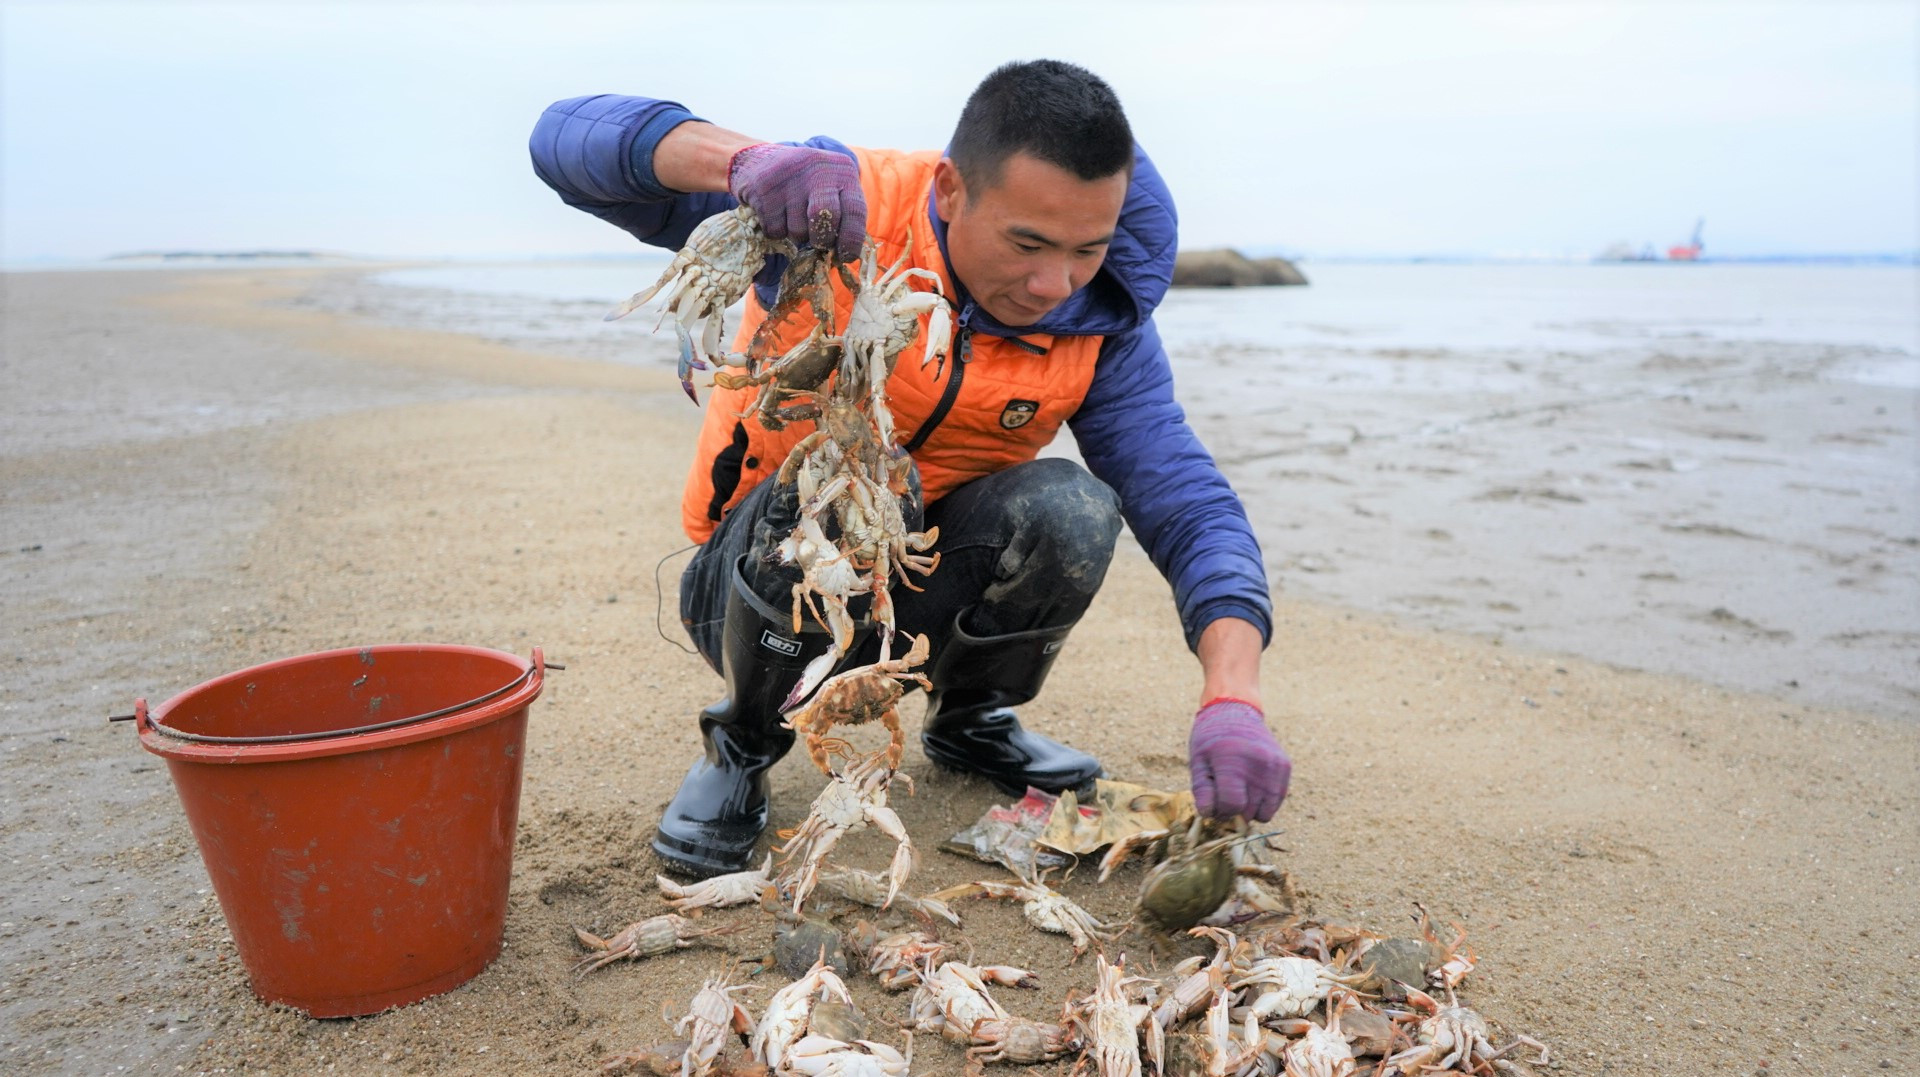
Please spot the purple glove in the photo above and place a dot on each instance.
(1237, 766)
(810, 196)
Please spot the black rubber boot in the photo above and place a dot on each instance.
(970, 726)
(715, 820)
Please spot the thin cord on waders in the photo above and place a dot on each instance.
(660, 600)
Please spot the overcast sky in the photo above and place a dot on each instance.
(1350, 129)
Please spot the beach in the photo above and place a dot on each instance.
(1684, 854)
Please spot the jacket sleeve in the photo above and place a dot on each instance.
(1134, 437)
(596, 153)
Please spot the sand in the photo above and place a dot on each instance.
(1658, 875)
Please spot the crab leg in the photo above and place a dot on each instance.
(674, 279)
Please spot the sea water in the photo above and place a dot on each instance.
(1357, 307)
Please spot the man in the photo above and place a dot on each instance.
(1054, 239)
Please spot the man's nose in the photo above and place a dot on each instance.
(1052, 281)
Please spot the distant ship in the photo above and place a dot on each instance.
(1691, 251)
(1623, 251)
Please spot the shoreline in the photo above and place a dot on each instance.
(1658, 875)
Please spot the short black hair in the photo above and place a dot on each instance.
(1060, 113)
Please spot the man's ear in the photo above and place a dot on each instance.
(949, 190)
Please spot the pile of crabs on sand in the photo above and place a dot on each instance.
(1278, 993)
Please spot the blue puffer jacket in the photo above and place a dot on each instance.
(597, 153)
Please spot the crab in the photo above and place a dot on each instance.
(1290, 986)
(1226, 1052)
(1045, 908)
(952, 999)
(865, 888)
(1370, 1032)
(801, 369)
(713, 1013)
(1109, 1022)
(856, 697)
(845, 433)
(1125, 847)
(850, 802)
(823, 1056)
(645, 938)
(805, 366)
(718, 892)
(843, 468)
(1331, 944)
(1454, 1038)
(661, 1060)
(837, 1020)
(1018, 1040)
(1322, 1051)
(1454, 960)
(1194, 981)
(790, 1010)
(807, 285)
(1191, 882)
(896, 959)
(827, 572)
(874, 533)
(707, 276)
(883, 322)
(800, 940)
(1199, 876)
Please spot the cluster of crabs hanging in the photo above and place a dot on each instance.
(849, 475)
(1272, 993)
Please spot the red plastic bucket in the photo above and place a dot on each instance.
(356, 810)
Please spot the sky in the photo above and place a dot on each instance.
(1358, 129)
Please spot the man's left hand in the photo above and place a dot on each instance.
(1237, 767)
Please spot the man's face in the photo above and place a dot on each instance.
(1025, 244)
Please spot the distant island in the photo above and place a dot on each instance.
(1228, 268)
(226, 256)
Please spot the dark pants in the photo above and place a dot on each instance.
(1026, 548)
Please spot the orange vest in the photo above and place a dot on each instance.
(1010, 403)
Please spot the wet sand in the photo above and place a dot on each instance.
(1658, 874)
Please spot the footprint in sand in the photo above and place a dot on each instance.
(1723, 617)
(1534, 493)
(1719, 530)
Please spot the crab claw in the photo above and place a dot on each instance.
(689, 362)
(939, 339)
(810, 679)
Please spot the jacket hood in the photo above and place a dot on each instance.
(1131, 282)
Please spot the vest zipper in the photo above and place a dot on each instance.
(963, 350)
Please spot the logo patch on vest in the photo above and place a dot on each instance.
(1018, 413)
(780, 644)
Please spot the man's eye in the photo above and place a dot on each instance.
(1027, 248)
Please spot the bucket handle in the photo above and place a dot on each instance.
(138, 717)
(144, 722)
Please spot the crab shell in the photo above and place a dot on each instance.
(1182, 890)
(1320, 1053)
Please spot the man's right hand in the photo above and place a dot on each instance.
(807, 195)
(1236, 765)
